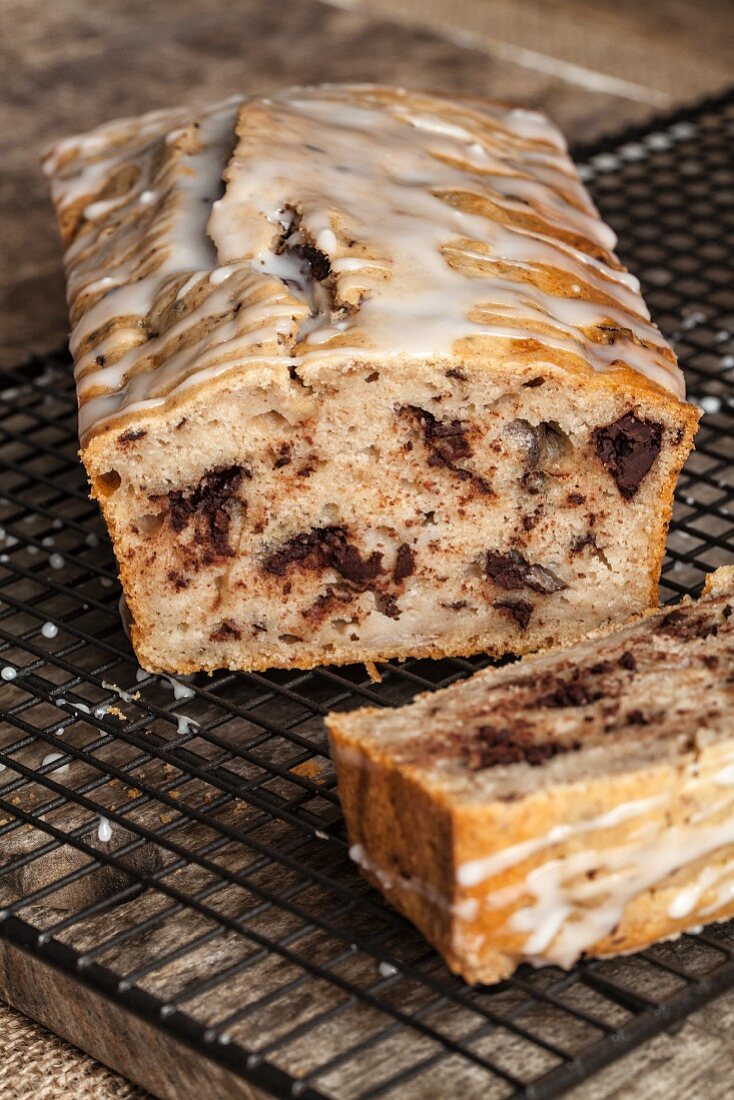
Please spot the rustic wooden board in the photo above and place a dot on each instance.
(140, 1052)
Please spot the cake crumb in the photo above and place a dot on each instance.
(309, 769)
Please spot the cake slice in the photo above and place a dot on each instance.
(574, 803)
(360, 376)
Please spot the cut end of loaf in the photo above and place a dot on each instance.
(338, 515)
(574, 803)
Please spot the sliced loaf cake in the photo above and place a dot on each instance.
(576, 802)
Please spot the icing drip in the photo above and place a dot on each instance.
(567, 903)
(433, 223)
(465, 909)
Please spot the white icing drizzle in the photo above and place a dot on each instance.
(571, 901)
(478, 870)
(442, 222)
(465, 909)
(104, 830)
(180, 691)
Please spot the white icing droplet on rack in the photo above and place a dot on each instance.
(82, 708)
(106, 582)
(57, 524)
(141, 674)
(710, 404)
(124, 695)
(49, 759)
(104, 830)
(180, 691)
(49, 630)
(4, 558)
(56, 561)
(658, 141)
(387, 970)
(8, 672)
(185, 725)
(91, 539)
(683, 130)
(48, 542)
(693, 320)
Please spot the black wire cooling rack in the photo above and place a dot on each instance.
(179, 846)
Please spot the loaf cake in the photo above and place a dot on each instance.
(577, 802)
(359, 377)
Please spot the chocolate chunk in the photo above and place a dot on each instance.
(179, 582)
(446, 442)
(576, 498)
(580, 543)
(520, 610)
(325, 603)
(404, 563)
(637, 718)
(324, 548)
(512, 570)
(318, 262)
(446, 438)
(348, 561)
(533, 482)
(226, 630)
(628, 449)
(209, 505)
(284, 456)
(130, 436)
(602, 668)
(389, 606)
(569, 693)
(528, 440)
(454, 373)
(676, 624)
(533, 383)
(497, 747)
(628, 661)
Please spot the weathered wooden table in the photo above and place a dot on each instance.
(72, 64)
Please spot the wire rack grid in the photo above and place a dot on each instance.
(178, 846)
